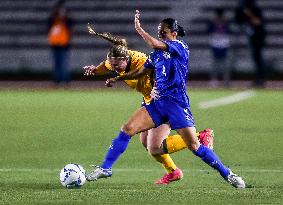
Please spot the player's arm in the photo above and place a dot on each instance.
(101, 69)
(133, 74)
(151, 41)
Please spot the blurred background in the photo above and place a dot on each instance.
(52, 115)
(245, 45)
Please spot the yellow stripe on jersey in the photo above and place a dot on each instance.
(141, 84)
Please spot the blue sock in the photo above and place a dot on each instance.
(118, 146)
(210, 158)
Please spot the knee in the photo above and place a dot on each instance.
(153, 150)
(129, 129)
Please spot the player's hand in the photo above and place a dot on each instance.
(154, 93)
(109, 82)
(89, 70)
(137, 20)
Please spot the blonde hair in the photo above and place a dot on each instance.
(113, 39)
(119, 49)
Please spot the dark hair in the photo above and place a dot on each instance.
(247, 3)
(174, 26)
(219, 12)
(59, 4)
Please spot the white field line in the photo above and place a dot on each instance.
(227, 99)
(142, 170)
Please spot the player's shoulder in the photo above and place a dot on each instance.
(180, 42)
(137, 54)
(137, 59)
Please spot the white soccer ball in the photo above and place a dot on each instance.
(72, 176)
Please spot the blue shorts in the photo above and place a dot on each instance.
(168, 110)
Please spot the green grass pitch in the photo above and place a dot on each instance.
(41, 131)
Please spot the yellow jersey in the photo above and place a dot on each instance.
(142, 84)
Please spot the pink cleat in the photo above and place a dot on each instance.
(170, 177)
(206, 138)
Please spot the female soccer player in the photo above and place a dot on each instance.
(127, 63)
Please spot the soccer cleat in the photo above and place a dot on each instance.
(235, 180)
(170, 177)
(206, 138)
(98, 173)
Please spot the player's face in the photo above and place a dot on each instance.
(164, 33)
(118, 64)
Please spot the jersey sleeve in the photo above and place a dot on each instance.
(103, 68)
(137, 59)
(149, 62)
(176, 47)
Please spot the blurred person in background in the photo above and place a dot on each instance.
(59, 37)
(218, 30)
(249, 16)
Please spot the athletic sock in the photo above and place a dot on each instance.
(173, 144)
(197, 133)
(210, 158)
(118, 146)
(166, 162)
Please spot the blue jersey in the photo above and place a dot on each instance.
(171, 69)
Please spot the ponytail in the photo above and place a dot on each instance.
(109, 37)
(113, 39)
(181, 32)
(119, 49)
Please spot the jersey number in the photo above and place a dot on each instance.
(163, 71)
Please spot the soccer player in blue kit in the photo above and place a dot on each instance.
(170, 103)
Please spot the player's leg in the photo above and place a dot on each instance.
(152, 145)
(172, 172)
(175, 143)
(181, 120)
(139, 121)
(209, 157)
(143, 139)
(154, 139)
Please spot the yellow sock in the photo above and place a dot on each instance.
(175, 143)
(166, 162)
